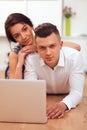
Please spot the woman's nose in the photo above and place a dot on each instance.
(23, 35)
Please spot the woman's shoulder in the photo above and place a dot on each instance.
(17, 48)
(12, 55)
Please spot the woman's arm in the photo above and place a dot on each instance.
(13, 59)
(72, 45)
(16, 61)
(15, 65)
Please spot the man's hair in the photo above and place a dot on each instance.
(13, 19)
(46, 29)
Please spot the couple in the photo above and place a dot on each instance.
(44, 57)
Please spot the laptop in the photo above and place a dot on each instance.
(23, 101)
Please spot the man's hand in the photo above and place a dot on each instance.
(56, 111)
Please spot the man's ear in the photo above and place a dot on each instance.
(61, 43)
(36, 49)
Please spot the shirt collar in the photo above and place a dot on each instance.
(61, 59)
(42, 62)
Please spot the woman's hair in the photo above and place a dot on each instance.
(46, 29)
(13, 19)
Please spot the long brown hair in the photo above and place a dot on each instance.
(13, 19)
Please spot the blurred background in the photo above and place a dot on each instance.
(47, 11)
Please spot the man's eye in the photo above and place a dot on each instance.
(52, 46)
(42, 48)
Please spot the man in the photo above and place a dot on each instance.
(61, 67)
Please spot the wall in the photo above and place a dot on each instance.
(38, 11)
(45, 11)
(78, 22)
(4, 49)
(7, 7)
(78, 25)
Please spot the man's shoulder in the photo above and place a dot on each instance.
(69, 52)
(33, 59)
(33, 56)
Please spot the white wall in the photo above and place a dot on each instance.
(7, 7)
(78, 25)
(78, 22)
(38, 11)
(4, 49)
(45, 11)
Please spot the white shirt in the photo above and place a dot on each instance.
(67, 76)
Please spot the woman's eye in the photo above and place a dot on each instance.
(25, 28)
(16, 36)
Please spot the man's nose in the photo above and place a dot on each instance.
(48, 51)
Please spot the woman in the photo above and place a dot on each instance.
(19, 29)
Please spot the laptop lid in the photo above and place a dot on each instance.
(23, 101)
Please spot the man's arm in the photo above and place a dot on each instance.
(76, 81)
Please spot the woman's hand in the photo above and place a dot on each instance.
(24, 52)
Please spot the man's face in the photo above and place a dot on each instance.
(49, 49)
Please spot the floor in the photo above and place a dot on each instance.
(2, 73)
(76, 119)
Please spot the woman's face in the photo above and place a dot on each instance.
(22, 33)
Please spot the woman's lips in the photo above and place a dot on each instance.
(28, 41)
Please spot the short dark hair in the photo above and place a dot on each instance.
(46, 29)
(13, 19)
